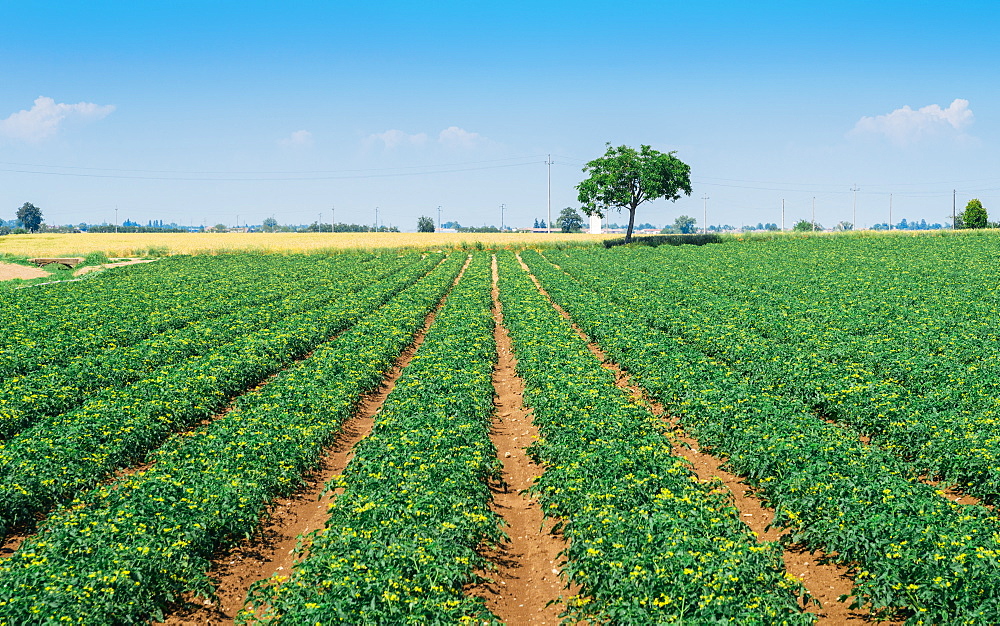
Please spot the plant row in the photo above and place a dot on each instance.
(60, 387)
(401, 539)
(925, 389)
(909, 547)
(54, 459)
(648, 542)
(45, 327)
(122, 553)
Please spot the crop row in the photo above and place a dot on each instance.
(909, 547)
(54, 459)
(57, 389)
(43, 327)
(647, 541)
(922, 382)
(123, 552)
(401, 539)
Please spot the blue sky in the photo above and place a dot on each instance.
(211, 111)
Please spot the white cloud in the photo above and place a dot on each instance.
(451, 137)
(394, 138)
(906, 125)
(298, 138)
(455, 137)
(45, 117)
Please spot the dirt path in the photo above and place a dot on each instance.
(824, 582)
(93, 268)
(272, 548)
(9, 271)
(13, 541)
(525, 588)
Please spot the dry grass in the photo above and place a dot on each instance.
(128, 244)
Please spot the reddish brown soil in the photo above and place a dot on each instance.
(955, 494)
(824, 582)
(12, 542)
(273, 548)
(9, 271)
(525, 587)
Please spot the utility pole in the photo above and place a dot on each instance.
(502, 207)
(376, 218)
(782, 215)
(855, 189)
(814, 213)
(548, 224)
(320, 222)
(890, 211)
(439, 217)
(954, 218)
(704, 228)
(333, 216)
(237, 220)
(116, 218)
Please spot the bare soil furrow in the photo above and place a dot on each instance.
(525, 587)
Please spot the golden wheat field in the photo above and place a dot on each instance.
(130, 244)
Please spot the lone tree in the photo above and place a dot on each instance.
(30, 216)
(974, 215)
(684, 224)
(425, 225)
(569, 221)
(624, 179)
(270, 225)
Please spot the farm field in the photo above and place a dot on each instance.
(157, 244)
(739, 432)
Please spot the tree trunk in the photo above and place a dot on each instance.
(631, 222)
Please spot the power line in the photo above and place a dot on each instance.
(275, 172)
(264, 178)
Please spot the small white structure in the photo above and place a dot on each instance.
(595, 224)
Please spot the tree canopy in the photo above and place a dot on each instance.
(624, 178)
(685, 224)
(425, 224)
(569, 221)
(30, 216)
(803, 226)
(974, 215)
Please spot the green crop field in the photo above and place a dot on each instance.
(155, 419)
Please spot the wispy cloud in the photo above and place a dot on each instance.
(905, 126)
(455, 137)
(298, 138)
(46, 116)
(393, 138)
(451, 137)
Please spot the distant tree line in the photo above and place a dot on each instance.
(316, 227)
(761, 226)
(903, 224)
(111, 228)
(478, 229)
(642, 226)
(470, 229)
